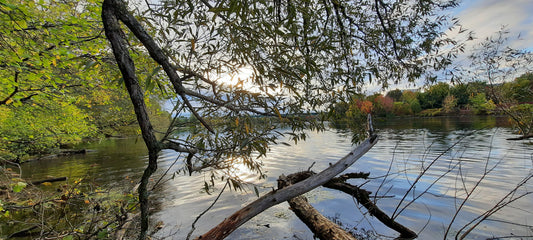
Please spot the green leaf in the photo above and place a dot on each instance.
(17, 187)
(21, 25)
(102, 234)
(256, 191)
(69, 237)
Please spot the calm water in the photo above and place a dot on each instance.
(464, 148)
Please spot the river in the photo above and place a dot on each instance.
(454, 154)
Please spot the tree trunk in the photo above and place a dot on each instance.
(110, 10)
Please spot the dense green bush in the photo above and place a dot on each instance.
(402, 109)
(524, 118)
(481, 105)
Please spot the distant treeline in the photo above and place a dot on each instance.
(442, 99)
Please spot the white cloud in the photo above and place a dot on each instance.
(486, 17)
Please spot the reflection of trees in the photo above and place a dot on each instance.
(443, 124)
(119, 156)
(472, 175)
(441, 130)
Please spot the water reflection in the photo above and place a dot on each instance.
(406, 148)
(108, 162)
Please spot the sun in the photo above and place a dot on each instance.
(240, 79)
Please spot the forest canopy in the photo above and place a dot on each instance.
(59, 83)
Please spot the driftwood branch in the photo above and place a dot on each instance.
(50, 180)
(322, 227)
(231, 223)
(363, 198)
(521, 137)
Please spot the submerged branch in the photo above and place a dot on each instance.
(50, 180)
(231, 223)
(322, 227)
(363, 197)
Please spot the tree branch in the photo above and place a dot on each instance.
(363, 198)
(322, 227)
(231, 223)
(157, 54)
(386, 30)
(15, 91)
(177, 147)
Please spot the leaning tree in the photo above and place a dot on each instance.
(300, 58)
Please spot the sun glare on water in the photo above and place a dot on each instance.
(241, 171)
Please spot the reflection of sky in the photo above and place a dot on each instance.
(404, 148)
(511, 162)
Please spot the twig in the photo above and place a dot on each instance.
(205, 211)
(396, 212)
(468, 194)
(388, 171)
(498, 206)
(166, 171)
(309, 168)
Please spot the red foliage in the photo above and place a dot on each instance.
(365, 106)
(385, 104)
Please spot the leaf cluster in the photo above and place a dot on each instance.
(58, 83)
(301, 57)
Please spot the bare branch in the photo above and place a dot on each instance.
(231, 223)
(363, 198)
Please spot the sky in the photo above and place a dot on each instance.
(485, 18)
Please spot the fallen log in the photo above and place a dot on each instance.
(67, 152)
(50, 180)
(363, 198)
(24, 233)
(275, 197)
(62, 153)
(321, 226)
(520, 138)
